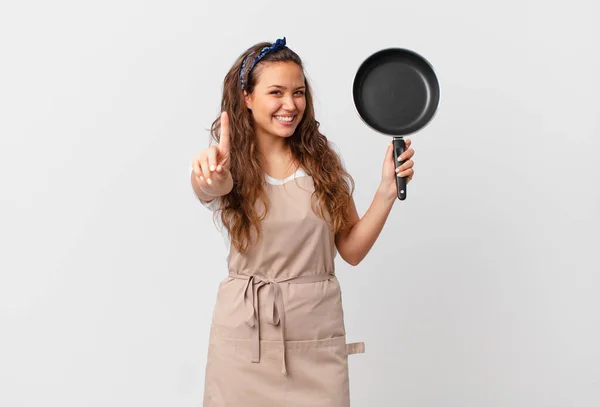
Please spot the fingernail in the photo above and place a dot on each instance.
(212, 167)
(219, 168)
(201, 177)
(209, 181)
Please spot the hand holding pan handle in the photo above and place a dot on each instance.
(399, 148)
(396, 92)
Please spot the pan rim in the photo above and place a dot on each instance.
(395, 50)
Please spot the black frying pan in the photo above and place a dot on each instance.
(396, 92)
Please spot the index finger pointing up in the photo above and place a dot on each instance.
(224, 136)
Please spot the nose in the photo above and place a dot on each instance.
(289, 104)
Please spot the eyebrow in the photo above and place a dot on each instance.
(283, 87)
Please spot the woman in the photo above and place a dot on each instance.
(284, 199)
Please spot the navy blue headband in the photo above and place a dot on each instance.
(276, 46)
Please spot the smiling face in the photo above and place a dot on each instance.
(278, 99)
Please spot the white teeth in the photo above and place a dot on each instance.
(284, 118)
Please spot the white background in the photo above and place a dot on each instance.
(482, 289)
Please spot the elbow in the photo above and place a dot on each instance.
(349, 254)
(353, 261)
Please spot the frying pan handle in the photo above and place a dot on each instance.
(399, 148)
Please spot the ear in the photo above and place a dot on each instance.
(248, 100)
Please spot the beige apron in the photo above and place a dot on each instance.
(278, 336)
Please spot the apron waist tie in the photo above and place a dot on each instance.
(275, 304)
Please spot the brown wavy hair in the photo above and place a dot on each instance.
(333, 184)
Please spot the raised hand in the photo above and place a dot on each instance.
(211, 166)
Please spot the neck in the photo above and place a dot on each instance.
(272, 147)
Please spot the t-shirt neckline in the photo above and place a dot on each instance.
(275, 181)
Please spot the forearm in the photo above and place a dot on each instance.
(365, 232)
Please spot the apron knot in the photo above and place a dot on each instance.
(274, 303)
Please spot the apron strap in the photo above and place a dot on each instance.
(355, 347)
(276, 306)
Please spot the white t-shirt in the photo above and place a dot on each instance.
(215, 203)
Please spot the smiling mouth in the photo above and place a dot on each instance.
(285, 119)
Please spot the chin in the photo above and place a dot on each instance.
(283, 131)
(286, 133)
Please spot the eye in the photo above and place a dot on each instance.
(301, 92)
(274, 92)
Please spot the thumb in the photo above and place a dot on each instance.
(221, 175)
(389, 154)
